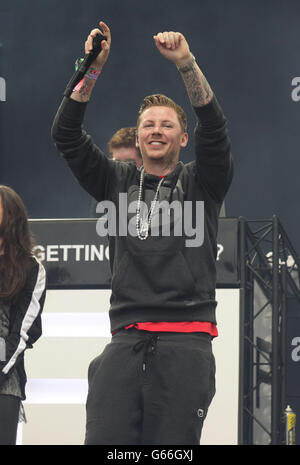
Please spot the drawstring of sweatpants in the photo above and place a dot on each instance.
(149, 344)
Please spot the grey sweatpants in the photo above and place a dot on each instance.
(150, 388)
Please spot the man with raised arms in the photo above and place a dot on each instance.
(155, 380)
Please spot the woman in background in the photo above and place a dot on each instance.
(22, 296)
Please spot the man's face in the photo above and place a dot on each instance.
(129, 154)
(159, 134)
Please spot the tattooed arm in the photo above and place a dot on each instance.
(197, 87)
(174, 47)
(213, 162)
(84, 89)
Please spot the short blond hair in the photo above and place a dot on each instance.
(160, 100)
(124, 137)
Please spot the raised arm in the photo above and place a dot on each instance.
(85, 87)
(174, 47)
(94, 171)
(213, 162)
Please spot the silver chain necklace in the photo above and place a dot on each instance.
(142, 226)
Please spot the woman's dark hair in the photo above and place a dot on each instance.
(17, 243)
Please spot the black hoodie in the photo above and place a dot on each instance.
(165, 277)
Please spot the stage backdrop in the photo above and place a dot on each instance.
(247, 49)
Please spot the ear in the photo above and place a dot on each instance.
(137, 140)
(184, 139)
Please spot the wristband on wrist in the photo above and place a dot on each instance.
(78, 86)
(90, 74)
(93, 74)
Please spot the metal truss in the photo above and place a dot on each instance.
(269, 275)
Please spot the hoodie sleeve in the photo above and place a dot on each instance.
(97, 174)
(92, 169)
(214, 166)
(25, 324)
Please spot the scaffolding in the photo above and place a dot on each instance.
(269, 276)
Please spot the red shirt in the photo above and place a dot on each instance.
(178, 327)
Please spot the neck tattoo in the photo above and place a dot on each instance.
(143, 225)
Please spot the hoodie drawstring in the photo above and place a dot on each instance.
(149, 345)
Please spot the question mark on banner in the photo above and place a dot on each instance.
(220, 250)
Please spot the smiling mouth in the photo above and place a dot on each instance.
(156, 143)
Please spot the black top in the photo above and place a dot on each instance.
(24, 325)
(161, 278)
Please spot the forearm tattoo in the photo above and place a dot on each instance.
(86, 89)
(197, 87)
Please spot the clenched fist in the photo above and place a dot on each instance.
(174, 47)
